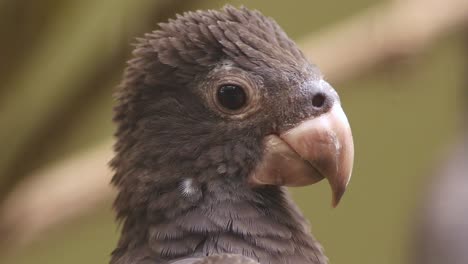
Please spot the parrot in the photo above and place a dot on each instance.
(217, 114)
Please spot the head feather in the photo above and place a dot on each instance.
(195, 42)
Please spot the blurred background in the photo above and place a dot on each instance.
(400, 67)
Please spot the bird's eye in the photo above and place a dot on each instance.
(231, 96)
(233, 93)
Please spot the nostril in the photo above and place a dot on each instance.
(318, 100)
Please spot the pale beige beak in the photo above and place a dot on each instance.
(320, 147)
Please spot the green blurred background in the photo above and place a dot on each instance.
(61, 59)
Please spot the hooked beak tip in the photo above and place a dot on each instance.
(337, 195)
(326, 142)
(321, 147)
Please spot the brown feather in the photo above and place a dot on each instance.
(181, 168)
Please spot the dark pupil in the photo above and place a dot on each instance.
(231, 96)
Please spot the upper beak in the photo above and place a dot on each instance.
(321, 147)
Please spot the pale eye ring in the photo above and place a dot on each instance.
(233, 95)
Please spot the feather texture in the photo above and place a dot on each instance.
(181, 168)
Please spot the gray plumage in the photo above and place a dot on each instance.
(181, 166)
(215, 259)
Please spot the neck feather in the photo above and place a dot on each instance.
(197, 220)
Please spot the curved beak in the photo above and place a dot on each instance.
(321, 147)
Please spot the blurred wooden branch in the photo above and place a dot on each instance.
(381, 35)
(60, 64)
(55, 194)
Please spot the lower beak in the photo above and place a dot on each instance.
(321, 147)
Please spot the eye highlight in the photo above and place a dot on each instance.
(231, 97)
